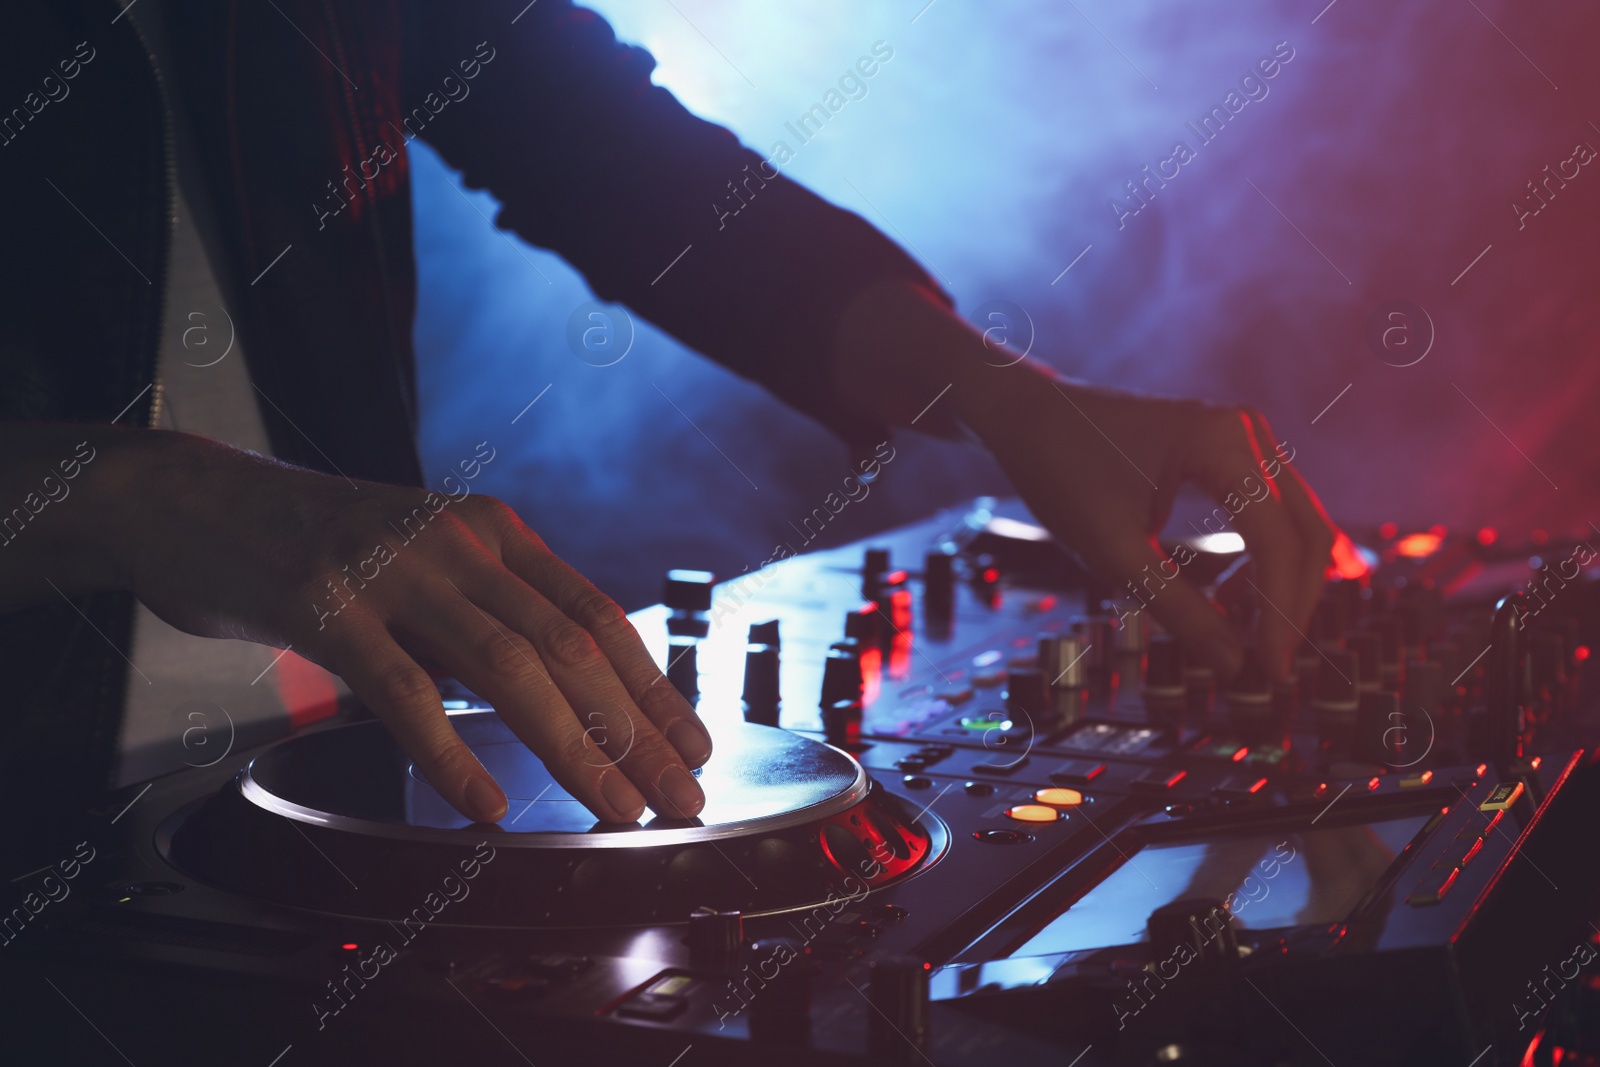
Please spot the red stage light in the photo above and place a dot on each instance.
(1347, 561)
(1418, 545)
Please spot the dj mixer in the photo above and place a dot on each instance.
(968, 805)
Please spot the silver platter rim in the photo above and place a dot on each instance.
(263, 798)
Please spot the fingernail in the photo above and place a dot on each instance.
(682, 792)
(691, 741)
(624, 799)
(484, 798)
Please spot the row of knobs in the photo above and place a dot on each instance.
(884, 619)
(1365, 670)
(780, 1008)
(1048, 694)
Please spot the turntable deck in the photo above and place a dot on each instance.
(788, 819)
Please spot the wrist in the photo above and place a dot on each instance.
(65, 490)
(990, 400)
(904, 357)
(98, 534)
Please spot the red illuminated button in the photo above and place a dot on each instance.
(1159, 779)
(1433, 887)
(1058, 797)
(1077, 772)
(1238, 787)
(1473, 829)
(1033, 813)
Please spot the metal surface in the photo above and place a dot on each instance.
(355, 778)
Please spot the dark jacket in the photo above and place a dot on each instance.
(301, 103)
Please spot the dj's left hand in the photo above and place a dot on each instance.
(1101, 468)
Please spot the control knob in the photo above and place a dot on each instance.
(715, 939)
(780, 1013)
(938, 585)
(761, 691)
(897, 1028)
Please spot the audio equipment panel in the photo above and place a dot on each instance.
(967, 805)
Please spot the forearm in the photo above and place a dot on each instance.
(902, 357)
(64, 493)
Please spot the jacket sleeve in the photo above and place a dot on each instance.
(590, 160)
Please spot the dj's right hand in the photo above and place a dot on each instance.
(371, 581)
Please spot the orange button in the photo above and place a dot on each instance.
(1033, 813)
(1061, 798)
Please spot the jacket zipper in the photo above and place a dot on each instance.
(376, 228)
(169, 155)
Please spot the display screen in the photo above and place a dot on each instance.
(1288, 878)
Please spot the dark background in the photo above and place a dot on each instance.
(1385, 158)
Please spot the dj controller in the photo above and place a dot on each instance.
(967, 806)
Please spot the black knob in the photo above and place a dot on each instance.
(841, 724)
(1391, 633)
(841, 673)
(764, 633)
(865, 626)
(1505, 687)
(1128, 629)
(683, 670)
(1028, 693)
(1376, 736)
(898, 990)
(1346, 599)
(1205, 925)
(939, 584)
(1099, 634)
(761, 694)
(1249, 697)
(874, 565)
(1448, 655)
(1163, 675)
(688, 590)
(780, 1012)
(1367, 647)
(1335, 700)
(1327, 625)
(1061, 661)
(1251, 684)
(1424, 687)
(715, 939)
(1420, 609)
